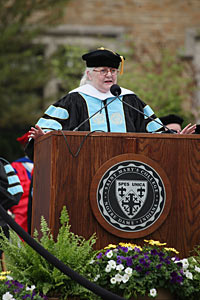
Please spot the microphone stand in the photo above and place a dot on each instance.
(168, 129)
(75, 129)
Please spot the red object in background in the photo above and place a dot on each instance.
(20, 210)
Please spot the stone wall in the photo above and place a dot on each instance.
(147, 21)
(121, 24)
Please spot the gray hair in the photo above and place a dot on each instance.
(85, 79)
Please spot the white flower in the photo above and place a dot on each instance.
(108, 269)
(118, 277)
(188, 275)
(197, 269)
(120, 267)
(112, 264)
(7, 296)
(173, 258)
(185, 263)
(125, 278)
(128, 271)
(109, 254)
(113, 280)
(153, 293)
(97, 277)
(9, 277)
(30, 288)
(92, 261)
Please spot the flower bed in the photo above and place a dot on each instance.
(11, 289)
(128, 270)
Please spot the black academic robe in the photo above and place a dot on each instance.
(75, 106)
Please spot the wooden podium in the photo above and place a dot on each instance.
(78, 169)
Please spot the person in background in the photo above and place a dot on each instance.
(10, 194)
(197, 130)
(172, 121)
(24, 169)
(175, 122)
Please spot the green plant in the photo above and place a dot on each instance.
(29, 268)
(23, 61)
(130, 270)
(163, 80)
(13, 289)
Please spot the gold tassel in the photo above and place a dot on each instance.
(122, 65)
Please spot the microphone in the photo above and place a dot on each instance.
(103, 107)
(116, 91)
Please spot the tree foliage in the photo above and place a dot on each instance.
(24, 71)
(68, 66)
(164, 81)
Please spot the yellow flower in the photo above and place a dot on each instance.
(130, 245)
(155, 243)
(3, 277)
(110, 246)
(172, 250)
(5, 273)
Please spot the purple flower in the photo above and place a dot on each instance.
(176, 258)
(147, 273)
(17, 290)
(129, 261)
(119, 259)
(27, 296)
(154, 252)
(8, 283)
(144, 262)
(138, 268)
(124, 249)
(17, 284)
(14, 283)
(165, 260)
(107, 251)
(99, 256)
(158, 266)
(161, 254)
(176, 278)
(137, 250)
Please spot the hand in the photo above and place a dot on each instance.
(36, 132)
(189, 129)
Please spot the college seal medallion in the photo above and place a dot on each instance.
(131, 196)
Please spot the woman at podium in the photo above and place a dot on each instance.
(96, 105)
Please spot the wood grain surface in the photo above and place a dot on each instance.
(65, 169)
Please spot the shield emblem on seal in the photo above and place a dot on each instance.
(131, 195)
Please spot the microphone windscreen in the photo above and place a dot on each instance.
(115, 90)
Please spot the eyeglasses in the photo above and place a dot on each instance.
(104, 72)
